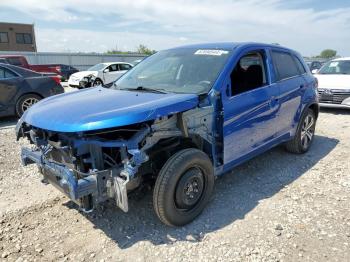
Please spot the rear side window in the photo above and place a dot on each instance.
(285, 65)
(4, 73)
(14, 61)
(124, 67)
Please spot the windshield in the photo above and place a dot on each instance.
(186, 70)
(341, 67)
(97, 67)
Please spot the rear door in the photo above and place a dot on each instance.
(289, 77)
(9, 82)
(250, 110)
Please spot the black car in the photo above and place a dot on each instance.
(314, 65)
(21, 88)
(66, 71)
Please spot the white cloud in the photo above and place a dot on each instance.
(306, 30)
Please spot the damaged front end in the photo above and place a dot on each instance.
(93, 166)
(88, 167)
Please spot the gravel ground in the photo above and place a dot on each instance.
(276, 207)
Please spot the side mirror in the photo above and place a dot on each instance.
(314, 71)
(106, 70)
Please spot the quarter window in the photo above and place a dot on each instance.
(285, 65)
(23, 38)
(4, 38)
(300, 66)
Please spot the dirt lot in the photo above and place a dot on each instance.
(276, 207)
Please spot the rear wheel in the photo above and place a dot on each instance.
(183, 187)
(25, 102)
(304, 135)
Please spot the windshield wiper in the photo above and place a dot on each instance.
(145, 89)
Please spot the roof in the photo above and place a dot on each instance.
(228, 45)
(111, 63)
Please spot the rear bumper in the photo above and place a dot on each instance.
(60, 176)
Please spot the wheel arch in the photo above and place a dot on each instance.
(316, 108)
(167, 147)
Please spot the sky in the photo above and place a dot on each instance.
(308, 26)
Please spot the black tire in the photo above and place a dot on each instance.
(189, 169)
(97, 82)
(26, 101)
(304, 135)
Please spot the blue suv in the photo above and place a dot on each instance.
(175, 121)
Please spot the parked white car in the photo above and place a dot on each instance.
(334, 83)
(104, 73)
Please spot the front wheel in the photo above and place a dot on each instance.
(304, 135)
(97, 82)
(183, 187)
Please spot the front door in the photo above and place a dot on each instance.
(250, 107)
(112, 74)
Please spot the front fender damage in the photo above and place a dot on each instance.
(91, 167)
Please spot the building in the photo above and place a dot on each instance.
(17, 37)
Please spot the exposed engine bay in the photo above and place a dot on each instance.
(91, 167)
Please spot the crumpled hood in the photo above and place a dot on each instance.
(333, 81)
(98, 108)
(80, 75)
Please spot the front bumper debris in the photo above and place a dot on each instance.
(60, 176)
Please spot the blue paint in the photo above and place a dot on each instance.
(247, 124)
(99, 108)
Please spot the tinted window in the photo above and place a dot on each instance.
(124, 67)
(24, 38)
(113, 68)
(284, 65)
(300, 66)
(14, 61)
(4, 73)
(249, 73)
(4, 37)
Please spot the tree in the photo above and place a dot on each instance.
(142, 49)
(328, 53)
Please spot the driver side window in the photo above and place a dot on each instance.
(249, 73)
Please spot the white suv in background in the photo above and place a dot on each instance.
(334, 83)
(104, 73)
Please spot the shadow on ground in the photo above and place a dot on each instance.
(8, 122)
(236, 194)
(335, 111)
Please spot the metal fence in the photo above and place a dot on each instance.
(80, 61)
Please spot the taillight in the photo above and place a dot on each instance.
(57, 79)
